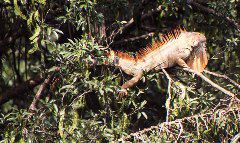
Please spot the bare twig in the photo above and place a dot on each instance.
(180, 132)
(151, 29)
(223, 76)
(134, 38)
(169, 93)
(162, 127)
(212, 83)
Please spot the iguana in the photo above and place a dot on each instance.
(178, 47)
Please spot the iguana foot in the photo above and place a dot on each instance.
(122, 92)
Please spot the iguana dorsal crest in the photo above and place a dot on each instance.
(150, 48)
(164, 39)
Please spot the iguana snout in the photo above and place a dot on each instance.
(198, 39)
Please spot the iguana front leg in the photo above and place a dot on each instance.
(130, 83)
(182, 63)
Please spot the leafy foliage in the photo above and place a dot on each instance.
(81, 102)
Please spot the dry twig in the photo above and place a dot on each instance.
(162, 127)
(134, 38)
(169, 93)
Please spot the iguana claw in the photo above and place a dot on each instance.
(122, 92)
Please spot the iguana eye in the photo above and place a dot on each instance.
(116, 61)
(195, 43)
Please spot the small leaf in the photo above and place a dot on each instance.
(71, 41)
(36, 33)
(34, 49)
(58, 31)
(60, 125)
(145, 115)
(143, 103)
(139, 115)
(18, 11)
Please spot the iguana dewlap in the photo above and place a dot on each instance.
(178, 47)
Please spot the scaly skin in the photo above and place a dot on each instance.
(185, 49)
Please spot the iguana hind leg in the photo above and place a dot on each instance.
(130, 83)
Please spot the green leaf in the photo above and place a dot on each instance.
(30, 19)
(34, 49)
(139, 115)
(36, 33)
(43, 2)
(58, 31)
(18, 11)
(61, 123)
(36, 15)
(143, 103)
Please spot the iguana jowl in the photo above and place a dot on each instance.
(178, 47)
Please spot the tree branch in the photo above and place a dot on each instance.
(161, 126)
(131, 23)
(212, 83)
(21, 89)
(41, 89)
(39, 94)
(223, 76)
(134, 38)
(213, 12)
(169, 94)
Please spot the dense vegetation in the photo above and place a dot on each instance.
(51, 90)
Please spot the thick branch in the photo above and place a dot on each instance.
(21, 89)
(213, 12)
(39, 93)
(41, 90)
(223, 76)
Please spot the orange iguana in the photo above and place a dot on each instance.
(178, 47)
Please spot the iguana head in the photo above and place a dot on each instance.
(198, 57)
(113, 58)
(198, 40)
